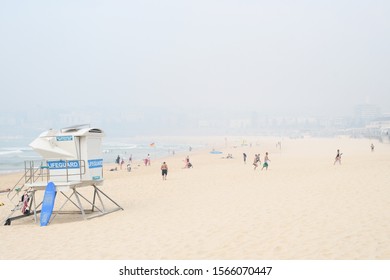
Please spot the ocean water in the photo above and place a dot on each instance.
(15, 151)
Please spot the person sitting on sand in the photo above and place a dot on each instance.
(164, 170)
(187, 163)
(266, 160)
(229, 156)
(338, 157)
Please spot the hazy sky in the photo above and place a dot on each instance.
(281, 57)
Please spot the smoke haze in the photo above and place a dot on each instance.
(193, 58)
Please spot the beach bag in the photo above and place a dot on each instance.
(27, 198)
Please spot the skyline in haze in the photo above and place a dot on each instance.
(203, 58)
(159, 123)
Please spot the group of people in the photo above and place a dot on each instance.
(257, 161)
(120, 161)
(339, 154)
(164, 167)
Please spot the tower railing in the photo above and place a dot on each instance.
(39, 172)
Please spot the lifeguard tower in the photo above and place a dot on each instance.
(72, 159)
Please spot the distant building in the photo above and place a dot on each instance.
(365, 113)
(381, 128)
(240, 123)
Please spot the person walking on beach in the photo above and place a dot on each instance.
(372, 147)
(266, 160)
(338, 157)
(164, 170)
(244, 154)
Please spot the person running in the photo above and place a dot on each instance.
(266, 160)
(244, 155)
(256, 161)
(164, 170)
(338, 157)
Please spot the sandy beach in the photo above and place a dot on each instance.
(303, 207)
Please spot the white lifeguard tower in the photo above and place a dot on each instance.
(72, 158)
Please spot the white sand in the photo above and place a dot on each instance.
(303, 207)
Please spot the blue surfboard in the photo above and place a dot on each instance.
(48, 203)
(215, 152)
